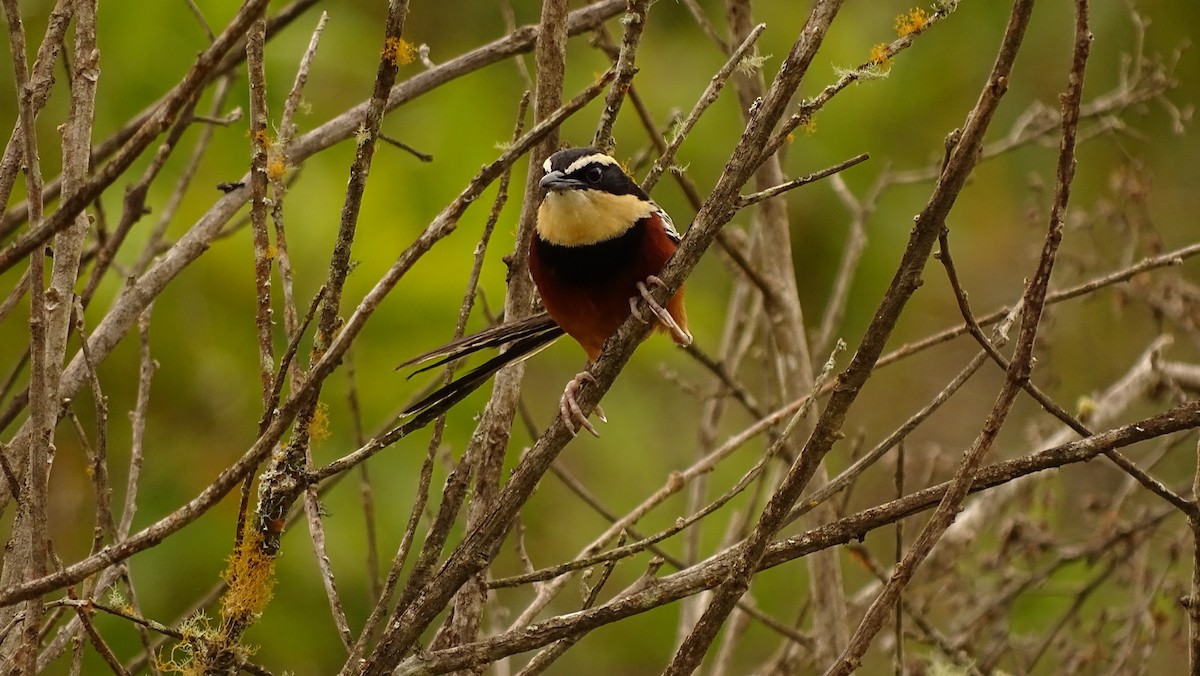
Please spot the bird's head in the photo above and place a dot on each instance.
(588, 198)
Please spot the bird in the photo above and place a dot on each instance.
(598, 246)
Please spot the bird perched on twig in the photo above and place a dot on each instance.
(598, 246)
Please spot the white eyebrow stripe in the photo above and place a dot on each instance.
(598, 158)
(546, 165)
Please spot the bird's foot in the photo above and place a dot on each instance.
(572, 413)
(677, 332)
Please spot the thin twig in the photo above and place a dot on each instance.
(1192, 601)
(634, 21)
(41, 80)
(259, 150)
(83, 612)
(754, 198)
(26, 555)
(424, 157)
(715, 84)
(201, 20)
(278, 170)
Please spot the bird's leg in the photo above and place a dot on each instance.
(682, 337)
(572, 412)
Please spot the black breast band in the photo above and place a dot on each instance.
(588, 263)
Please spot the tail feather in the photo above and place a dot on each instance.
(488, 338)
(527, 338)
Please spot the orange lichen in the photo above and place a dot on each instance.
(881, 55)
(913, 22)
(250, 575)
(318, 427)
(206, 647)
(399, 51)
(276, 167)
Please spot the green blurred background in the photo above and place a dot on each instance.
(205, 398)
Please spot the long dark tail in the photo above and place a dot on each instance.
(526, 337)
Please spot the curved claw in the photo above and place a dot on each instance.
(637, 311)
(681, 336)
(571, 411)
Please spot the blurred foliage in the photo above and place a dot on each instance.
(205, 397)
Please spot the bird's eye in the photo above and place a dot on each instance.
(594, 174)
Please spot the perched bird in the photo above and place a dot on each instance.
(599, 243)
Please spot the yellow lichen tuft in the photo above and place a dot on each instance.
(809, 125)
(276, 168)
(250, 575)
(205, 648)
(318, 427)
(399, 51)
(881, 55)
(912, 22)
(261, 138)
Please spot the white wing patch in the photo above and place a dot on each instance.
(668, 224)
